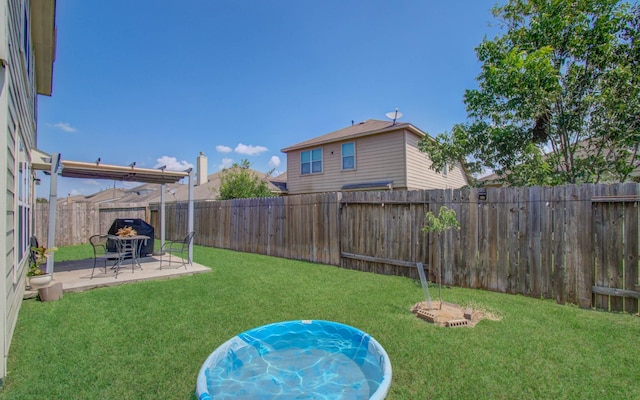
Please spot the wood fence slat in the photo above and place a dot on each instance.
(502, 236)
(465, 238)
(584, 256)
(473, 241)
(483, 266)
(524, 286)
(344, 228)
(615, 250)
(448, 245)
(631, 247)
(535, 243)
(490, 235)
(631, 294)
(433, 242)
(456, 240)
(513, 240)
(546, 245)
(559, 272)
(599, 301)
(572, 231)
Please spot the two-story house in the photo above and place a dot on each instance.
(27, 52)
(370, 155)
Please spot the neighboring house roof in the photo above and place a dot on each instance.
(280, 182)
(150, 192)
(103, 196)
(366, 128)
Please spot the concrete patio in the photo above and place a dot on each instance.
(75, 276)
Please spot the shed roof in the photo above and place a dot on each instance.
(79, 169)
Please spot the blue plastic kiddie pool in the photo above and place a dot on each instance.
(297, 360)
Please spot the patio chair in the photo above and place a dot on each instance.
(100, 253)
(180, 247)
(33, 243)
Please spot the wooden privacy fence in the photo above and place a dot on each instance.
(381, 231)
(298, 227)
(76, 222)
(577, 244)
(564, 242)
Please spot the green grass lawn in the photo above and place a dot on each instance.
(148, 340)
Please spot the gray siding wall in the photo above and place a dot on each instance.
(17, 118)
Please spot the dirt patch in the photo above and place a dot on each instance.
(451, 315)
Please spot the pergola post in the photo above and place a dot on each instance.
(190, 217)
(162, 216)
(53, 205)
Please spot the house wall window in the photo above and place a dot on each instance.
(349, 155)
(311, 162)
(23, 190)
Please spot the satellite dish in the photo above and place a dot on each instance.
(394, 115)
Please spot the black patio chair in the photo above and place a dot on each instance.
(100, 253)
(180, 247)
(33, 244)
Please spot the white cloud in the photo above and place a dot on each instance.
(172, 163)
(226, 163)
(91, 182)
(249, 150)
(223, 149)
(274, 162)
(74, 192)
(64, 126)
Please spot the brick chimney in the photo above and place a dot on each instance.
(201, 170)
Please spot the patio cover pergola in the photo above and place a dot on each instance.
(54, 165)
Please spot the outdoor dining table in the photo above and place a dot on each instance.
(131, 246)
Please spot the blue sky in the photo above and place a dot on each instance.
(157, 82)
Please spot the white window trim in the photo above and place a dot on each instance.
(22, 206)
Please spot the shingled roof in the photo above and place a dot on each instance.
(366, 128)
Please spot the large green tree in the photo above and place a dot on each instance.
(240, 182)
(558, 97)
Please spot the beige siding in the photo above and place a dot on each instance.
(378, 158)
(421, 176)
(392, 156)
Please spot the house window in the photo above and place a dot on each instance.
(445, 170)
(23, 192)
(311, 162)
(348, 155)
